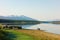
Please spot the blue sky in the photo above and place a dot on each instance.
(37, 9)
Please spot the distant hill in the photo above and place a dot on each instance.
(22, 17)
(55, 22)
(18, 20)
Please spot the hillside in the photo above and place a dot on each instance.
(55, 22)
(34, 35)
(23, 20)
(12, 17)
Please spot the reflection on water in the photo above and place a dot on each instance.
(53, 28)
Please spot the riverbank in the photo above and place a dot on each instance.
(33, 35)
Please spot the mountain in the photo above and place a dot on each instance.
(22, 17)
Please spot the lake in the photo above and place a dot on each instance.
(52, 28)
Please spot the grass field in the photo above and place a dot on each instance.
(32, 35)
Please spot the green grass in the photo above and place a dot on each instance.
(14, 35)
(31, 35)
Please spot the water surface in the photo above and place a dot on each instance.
(52, 28)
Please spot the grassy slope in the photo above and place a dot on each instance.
(34, 35)
(3, 35)
(20, 36)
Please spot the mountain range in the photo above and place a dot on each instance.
(22, 17)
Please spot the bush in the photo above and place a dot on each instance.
(1, 26)
(11, 27)
(3, 35)
(19, 27)
(38, 29)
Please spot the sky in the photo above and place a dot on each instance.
(37, 9)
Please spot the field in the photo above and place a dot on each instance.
(32, 35)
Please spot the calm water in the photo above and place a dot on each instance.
(52, 28)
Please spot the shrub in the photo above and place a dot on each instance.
(38, 28)
(19, 27)
(3, 35)
(1, 26)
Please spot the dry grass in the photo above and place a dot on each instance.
(40, 35)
